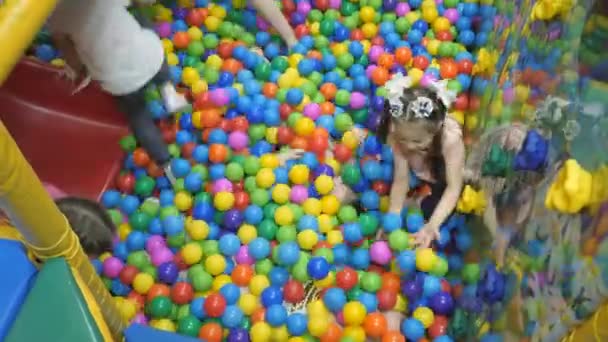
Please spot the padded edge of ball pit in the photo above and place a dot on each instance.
(54, 310)
(142, 333)
(16, 274)
(52, 127)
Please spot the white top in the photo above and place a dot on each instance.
(116, 50)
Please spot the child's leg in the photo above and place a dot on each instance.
(275, 17)
(145, 130)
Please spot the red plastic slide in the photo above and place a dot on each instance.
(70, 141)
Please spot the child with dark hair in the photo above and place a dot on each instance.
(427, 142)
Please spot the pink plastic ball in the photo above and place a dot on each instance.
(451, 14)
(243, 257)
(219, 97)
(163, 30)
(238, 140)
(340, 317)
(112, 267)
(369, 70)
(262, 24)
(357, 100)
(375, 52)
(303, 7)
(380, 252)
(508, 95)
(140, 318)
(155, 242)
(335, 4)
(312, 110)
(402, 9)
(427, 79)
(161, 255)
(298, 194)
(221, 185)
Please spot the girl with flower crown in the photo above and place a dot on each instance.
(427, 142)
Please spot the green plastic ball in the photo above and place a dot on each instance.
(398, 240)
(140, 221)
(159, 307)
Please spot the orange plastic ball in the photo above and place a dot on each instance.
(403, 55)
(270, 90)
(393, 336)
(379, 76)
(210, 118)
(386, 60)
(232, 66)
(242, 274)
(218, 153)
(333, 333)
(181, 40)
(375, 325)
(448, 69)
(211, 332)
(140, 157)
(158, 290)
(328, 108)
(328, 90)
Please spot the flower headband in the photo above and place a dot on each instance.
(422, 106)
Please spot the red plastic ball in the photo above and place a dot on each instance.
(321, 5)
(356, 34)
(179, 261)
(289, 6)
(462, 102)
(182, 293)
(285, 110)
(342, 153)
(181, 40)
(138, 299)
(444, 36)
(127, 274)
(240, 123)
(347, 278)
(126, 183)
(377, 40)
(188, 148)
(318, 144)
(226, 125)
(386, 299)
(448, 69)
(380, 187)
(285, 135)
(195, 18)
(439, 327)
(445, 286)
(465, 66)
(293, 291)
(241, 200)
(215, 304)
(301, 31)
(421, 62)
(238, 186)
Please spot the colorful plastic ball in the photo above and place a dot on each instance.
(214, 305)
(431, 286)
(335, 299)
(442, 303)
(276, 315)
(168, 272)
(159, 307)
(380, 252)
(354, 313)
(271, 295)
(424, 315)
(413, 329)
(318, 267)
(297, 324)
(112, 267)
(425, 259)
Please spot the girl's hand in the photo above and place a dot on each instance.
(289, 155)
(425, 236)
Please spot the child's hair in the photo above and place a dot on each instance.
(90, 222)
(406, 111)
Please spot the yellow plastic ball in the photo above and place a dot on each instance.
(142, 283)
(296, 339)
(197, 229)
(459, 116)
(258, 283)
(239, 4)
(283, 216)
(164, 324)
(317, 326)
(350, 140)
(199, 86)
(324, 184)
(260, 332)
(354, 313)
(307, 239)
(195, 33)
(183, 201)
(269, 160)
(330, 204)
(285, 81)
(326, 282)
(248, 303)
(355, 333)
(280, 193)
(192, 253)
(215, 264)
(217, 11)
(58, 62)
(104, 256)
(317, 308)
(366, 46)
(384, 203)
(185, 3)
(223, 200)
(401, 304)
(214, 61)
(433, 47)
(339, 49)
(167, 46)
(304, 126)
(123, 231)
(430, 15)
(367, 14)
(312, 206)
(334, 164)
(412, 17)
(370, 30)
(325, 223)
(415, 74)
(441, 24)
(220, 281)
(271, 135)
(247, 233)
(335, 237)
(164, 14)
(315, 28)
(299, 174)
(280, 334)
(425, 259)
(127, 309)
(172, 59)
(424, 315)
(294, 59)
(265, 178)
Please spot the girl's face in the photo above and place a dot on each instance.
(414, 136)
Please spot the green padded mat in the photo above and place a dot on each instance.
(55, 310)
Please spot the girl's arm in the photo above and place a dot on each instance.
(400, 186)
(69, 53)
(275, 17)
(454, 155)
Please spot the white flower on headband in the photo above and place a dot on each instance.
(394, 88)
(443, 93)
(421, 107)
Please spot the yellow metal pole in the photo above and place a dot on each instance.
(20, 21)
(44, 229)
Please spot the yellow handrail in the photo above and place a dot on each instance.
(45, 230)
(20, 21)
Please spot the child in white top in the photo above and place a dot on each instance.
(124, 56)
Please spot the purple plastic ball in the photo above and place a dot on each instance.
(312, 110)
(168, 272)
(411, 289)
(442, 303)
(357, 100)
(219, 96)
(221, 185)
(238, 335)
(155, 242)
(243, 257)
(163, 29)
(112, 267)
(233, 219)
(238, 140)
(161, 255)
(323, 169)
(380, 252)
(402, 9)
(389, 5)
(377, 103)
(298, 194)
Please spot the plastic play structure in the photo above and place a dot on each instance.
(62, 298)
